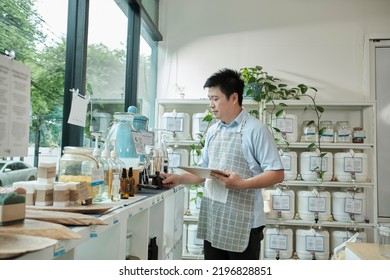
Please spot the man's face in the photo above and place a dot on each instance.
(221, 107)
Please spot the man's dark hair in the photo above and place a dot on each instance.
(228, 81)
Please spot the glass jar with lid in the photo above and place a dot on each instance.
(344, 132)
(76, 165)
(326, 131)
(309, 132)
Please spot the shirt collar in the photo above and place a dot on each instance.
(236, 121)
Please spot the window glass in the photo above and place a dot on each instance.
(147, 67)
(36, 32)
(106, 64)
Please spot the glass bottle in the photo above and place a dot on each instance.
(115, 190)
(124, 185)
(327, 131)
(309, 132)
(109, 165)
(130, 176)
(344, 132)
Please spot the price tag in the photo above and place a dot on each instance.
(59, 249)
(93, 232)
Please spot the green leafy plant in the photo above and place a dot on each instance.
(272, 93)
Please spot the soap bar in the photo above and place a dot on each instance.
(12, 208)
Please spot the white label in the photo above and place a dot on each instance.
(316, 204)
(354, 206)
(285, 124)
(278, 241)
(353, 164)
(174, 159)
(314, 243)
(315, 163)
(281, 202)
(175, 124)
(202, 125)
(97, 177)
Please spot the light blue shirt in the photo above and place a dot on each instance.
(259, 149)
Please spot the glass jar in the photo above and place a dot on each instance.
(344, 132)
(76, 165)
(358, 135)
(327, 131)
(121, 131)
(309, 132)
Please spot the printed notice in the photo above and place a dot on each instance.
(14, 108)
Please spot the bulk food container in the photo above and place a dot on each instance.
(312, 244)
(198, 125)
(310, 163)
(314, 205)
(178, 157)
(278, 243)
(282, 204)
(194, 244)
(340, 236)
(290, 164)
(288, 126)
(349, 206)
(351, 166)
(178, 123)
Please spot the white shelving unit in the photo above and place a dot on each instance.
(157, 214)
(358, 113)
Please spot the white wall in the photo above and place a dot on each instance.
(321, 43)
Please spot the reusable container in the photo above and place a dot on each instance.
(194, 244)
(351, 166)
(384, 240)
(312, 244)
(310, 163)
(343, 132)
(178, 123)
(290, 164)
(309, 132)
(282, 204)
(178, 157)
(288, 126)
(278, 243)
(198, 125)
(328, 131)
(340, 236)
(314, 205)
(349, 206)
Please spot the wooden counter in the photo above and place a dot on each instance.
(363, 251)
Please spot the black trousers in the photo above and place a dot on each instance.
(252, 252)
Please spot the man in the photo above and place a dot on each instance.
(231, 218)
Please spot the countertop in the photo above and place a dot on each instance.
(363, 251)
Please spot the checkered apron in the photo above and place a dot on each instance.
(227, 225)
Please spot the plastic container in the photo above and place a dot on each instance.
(278, 243)
(178, 157)
(282, 204)
(351, 166)
(194, 244)
(384, 240)
(349, 206)
(288, 126)
(198, 125)
(194, 201)
(140, 122)
(290, 164)
(340, 236)
(312, 244)
(314, 205)
(178, 123)
(310, 163)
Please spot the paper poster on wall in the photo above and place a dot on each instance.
(15, 79)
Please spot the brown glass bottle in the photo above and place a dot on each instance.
(131, 179)
(124, 185)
